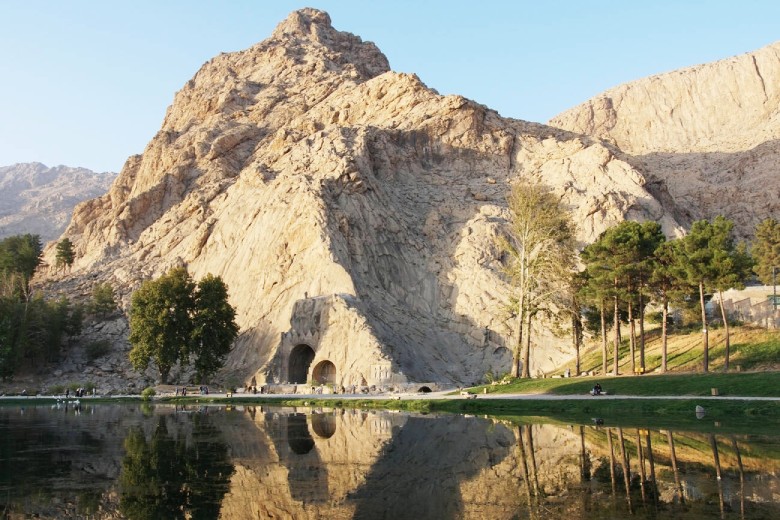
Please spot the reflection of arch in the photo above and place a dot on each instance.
(298, 436)
(300, 359)
(324, 372)
(323, 424)
(423, 390)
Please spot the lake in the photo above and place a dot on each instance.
(242, 462)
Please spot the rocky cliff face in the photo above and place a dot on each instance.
(40, 200)
(707, 134)
(351, 210)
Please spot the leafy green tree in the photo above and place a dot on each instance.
(650, 238)
(609, 262)
(667, 284)
(540, 247)
(103, 300)
(21, 254)
(595, 291)
(766, 249)
(173, 319)
(710, 260)
(65, 254)
(733, 266)
(161, 321)
(214, 328)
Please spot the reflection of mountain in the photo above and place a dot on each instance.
(255, 463)
(420, 473)
(354, 464)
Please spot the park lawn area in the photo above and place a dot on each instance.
(743, 384)
(752, 348)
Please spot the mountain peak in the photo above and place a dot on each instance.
(306, 22)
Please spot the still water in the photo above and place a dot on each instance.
(168, 462)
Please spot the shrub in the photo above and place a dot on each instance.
(148, 393)
(97, 349)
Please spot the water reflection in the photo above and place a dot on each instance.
(181, 471)
(254, 462)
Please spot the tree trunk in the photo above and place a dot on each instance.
(641, 333)
(516, 352)
(616, 345)
(632, 338)
(663, 335)
(576, 329)
(603, 340)
(705, 332)
(726, 326)
(527, 351)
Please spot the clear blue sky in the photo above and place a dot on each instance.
(86, 83)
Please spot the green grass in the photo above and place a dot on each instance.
(752, 348)
(744, 384)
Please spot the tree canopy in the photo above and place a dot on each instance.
(766, 249)
(20, 255)
(32, 328)
(540, 248)
(173, 318)
(65, 254)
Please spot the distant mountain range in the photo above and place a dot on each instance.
(40, 200)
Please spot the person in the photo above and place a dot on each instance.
(597, 389)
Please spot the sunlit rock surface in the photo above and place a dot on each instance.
(331, 192)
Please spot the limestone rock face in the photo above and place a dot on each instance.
(707, 134)
(40, 200)
(352, 211)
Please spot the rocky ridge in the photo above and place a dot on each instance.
(40, 200)
(706, 136)
(349, 208)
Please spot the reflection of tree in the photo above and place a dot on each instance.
(168, 477)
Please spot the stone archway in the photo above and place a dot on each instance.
(301, 357)
(324, 372)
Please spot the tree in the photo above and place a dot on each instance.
(21, 254)
(103, 299)
(173, 319)
(160, 321)
(650, 238)
(667, 282)
(611, 264)
(65, 254)
(733, 266)
(540, 245)
(214, 327)
(766, 249)
(710, 260)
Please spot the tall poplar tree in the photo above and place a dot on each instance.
(540, 246)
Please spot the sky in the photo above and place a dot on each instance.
(86, 83)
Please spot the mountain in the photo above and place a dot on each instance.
(40, 200)
(706, 137)
(352, 211)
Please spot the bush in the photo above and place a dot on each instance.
(97, 349)
(148, 393)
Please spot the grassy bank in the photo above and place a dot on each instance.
(751, 384)
(752, 348)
